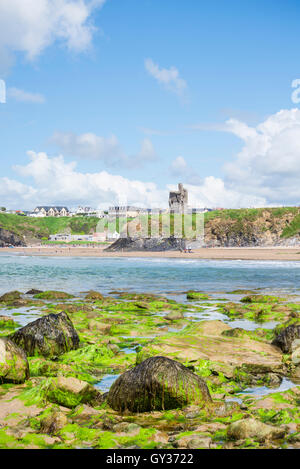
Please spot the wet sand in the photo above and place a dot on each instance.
(263, 254)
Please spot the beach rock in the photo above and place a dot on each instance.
(70, 392)
(128, 244)
(85, 413)
(94, 295)
(53, 295)
(20, 303)
(48, 336)
(73, 308)
(252, 428)
(205, 340)
(157, 383)
(99, 326)
(296, 356)
(174, 316)
(10, 296)
(33, 291)
(193, 442)
(195, 295)
(253, 299)
(286, 337)
(53, 422)
(7, 321)
(14, 366)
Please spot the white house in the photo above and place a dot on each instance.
(51, 211)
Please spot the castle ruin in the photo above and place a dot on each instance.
(178, 200)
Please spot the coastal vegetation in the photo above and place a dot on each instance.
(174, 379)
(239, 227)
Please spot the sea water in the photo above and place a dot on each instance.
(162, 276)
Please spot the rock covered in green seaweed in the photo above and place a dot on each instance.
(49, 336)
(93, 296)
(155, 384)
(10, 296)
(14, 366)
(53, 295)
(70, 392)
(252, 428)
(286, 337)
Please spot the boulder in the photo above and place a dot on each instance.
(33, 291)
(128, 244)
(70, 392)
(193, 441)
(7, 322)
(94, 295)
(48, 336)
(14, 366)
(196, 295)
(53, 295)
(102, 328)
(284, 340)
(10, 296)
(53, 422)
(174, 316)
(296, 356)
(251, 428)
(157, 383)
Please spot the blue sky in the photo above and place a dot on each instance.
(137, 95)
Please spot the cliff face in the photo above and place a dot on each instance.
(226, 228)
(7, 238)
(266, 229)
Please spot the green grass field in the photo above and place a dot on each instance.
(164, 224)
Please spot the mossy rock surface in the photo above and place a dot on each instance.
(260, 299)
(93, 296)
(14, 366)
(158, 383)
(286, 337)
(194, 295)
(70, 392)
(53, 295)
(49, 336)
(10, 296)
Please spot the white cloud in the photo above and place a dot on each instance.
(184, 172)
(178, 166)
(25, 96)
(13, 193)
(169, 78)
(265, 172)
(30, 26)
(56, 182)
(268, 165)
(105, 149)
(213, 193)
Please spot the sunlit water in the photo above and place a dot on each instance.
(75, 274)
(171, 277)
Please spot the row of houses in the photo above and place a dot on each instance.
(113, 212)
(92, 238)
(57, 211)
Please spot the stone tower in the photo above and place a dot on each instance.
(178, 200)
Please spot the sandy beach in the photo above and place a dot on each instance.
(278, 253)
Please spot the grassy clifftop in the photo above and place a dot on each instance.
(222, 227)
(43, 227)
